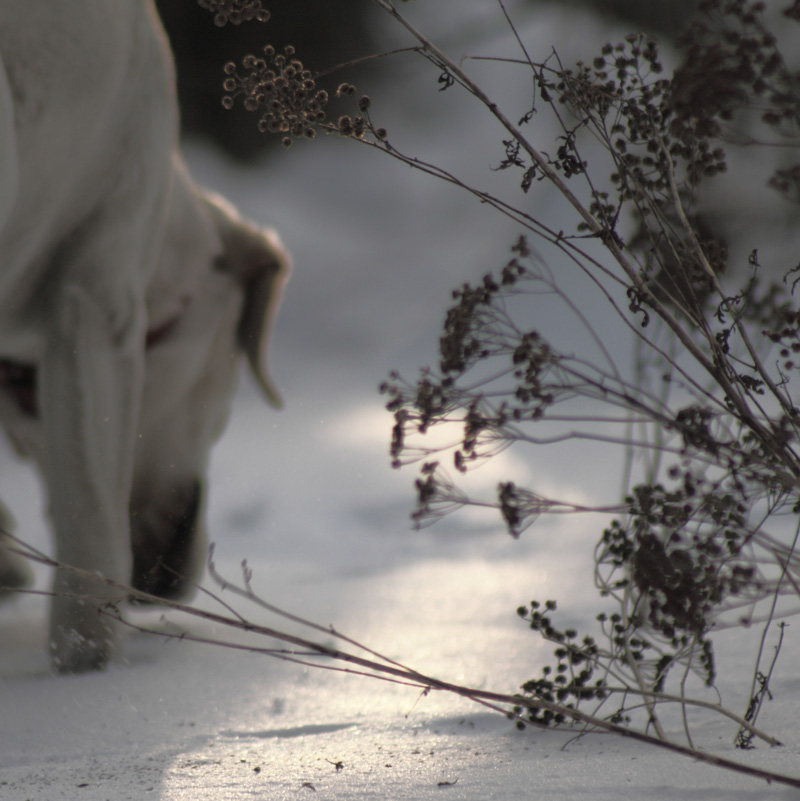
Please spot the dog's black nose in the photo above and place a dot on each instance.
(164, 538)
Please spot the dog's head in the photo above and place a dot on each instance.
(212, 304)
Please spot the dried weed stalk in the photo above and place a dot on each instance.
(705, 533)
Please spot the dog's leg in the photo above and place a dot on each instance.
(91, 378)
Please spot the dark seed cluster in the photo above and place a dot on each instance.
(278, 86)
(577, 676)
(359, 123)
(733, 64)
(235, 11)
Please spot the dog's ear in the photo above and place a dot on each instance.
(257, 258)
(263, 265)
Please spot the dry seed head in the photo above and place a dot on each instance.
(235, 11)
(281, 88)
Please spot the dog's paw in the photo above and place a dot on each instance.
(83, 637)
(79, 656)
(72, 652)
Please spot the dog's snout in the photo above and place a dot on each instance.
(164, 534)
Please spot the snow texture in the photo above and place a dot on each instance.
(307, 496)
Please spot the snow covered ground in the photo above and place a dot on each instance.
(307, 496)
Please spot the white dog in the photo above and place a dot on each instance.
(126, 297)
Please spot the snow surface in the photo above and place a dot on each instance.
(307, 496)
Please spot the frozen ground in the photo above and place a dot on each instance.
(308, 497)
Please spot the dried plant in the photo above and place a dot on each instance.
(235, 11)
(705, 534)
